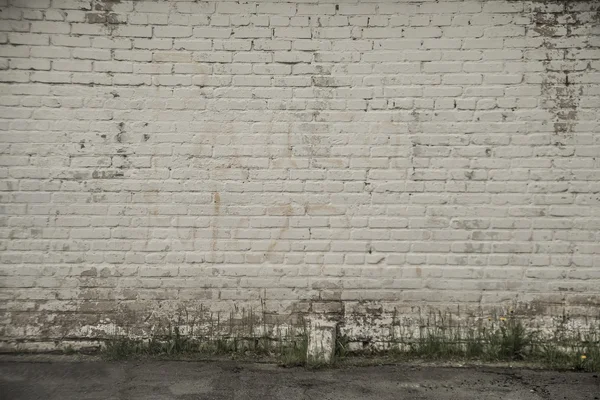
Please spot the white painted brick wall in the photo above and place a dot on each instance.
(157, 155)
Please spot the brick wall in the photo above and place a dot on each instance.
(299, 157)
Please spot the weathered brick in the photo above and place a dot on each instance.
(172, 31)
(443, 153)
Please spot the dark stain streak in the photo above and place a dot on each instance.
(558, 94)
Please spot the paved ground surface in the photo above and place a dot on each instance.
(58, 379)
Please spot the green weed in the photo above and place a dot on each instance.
(437, 336)
(501, 339)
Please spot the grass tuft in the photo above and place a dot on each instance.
(504, 339)
(287, 351)
(442, 337)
